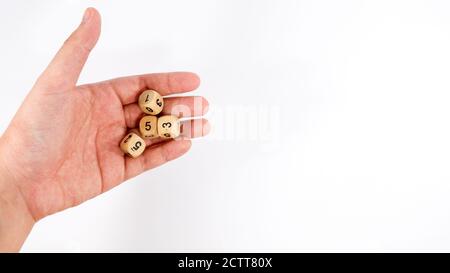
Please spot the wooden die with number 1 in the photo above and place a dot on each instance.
(151, 102)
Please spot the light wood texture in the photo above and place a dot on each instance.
(148, 126)
(151, 102)
(132, 144)
(168, 126)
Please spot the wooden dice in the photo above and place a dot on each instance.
(168, 126)
(148, 126)
(151, 102)
(132, 144)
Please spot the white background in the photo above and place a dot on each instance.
(340, 141)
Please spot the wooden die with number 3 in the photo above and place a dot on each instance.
(168, 126)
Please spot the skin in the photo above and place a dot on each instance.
(62, 146)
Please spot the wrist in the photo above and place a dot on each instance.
(16, 221)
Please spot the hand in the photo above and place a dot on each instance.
(62, 147)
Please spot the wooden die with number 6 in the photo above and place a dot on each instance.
(151, 102)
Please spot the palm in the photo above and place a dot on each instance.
(74, 138)
(65, 139)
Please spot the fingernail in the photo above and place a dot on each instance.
(206, 128)
(87, 15)
(205, 105)
(205, 109)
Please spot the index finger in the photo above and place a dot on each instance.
(129, 88)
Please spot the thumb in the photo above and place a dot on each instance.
(65, 68)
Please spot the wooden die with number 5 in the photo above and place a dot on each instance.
(148, 126)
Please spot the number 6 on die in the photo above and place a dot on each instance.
(151, 102)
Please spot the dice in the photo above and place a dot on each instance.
(151, 102)
(168, 126)
(148, 126)
(132, 144)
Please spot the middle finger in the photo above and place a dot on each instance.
(192, 106)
